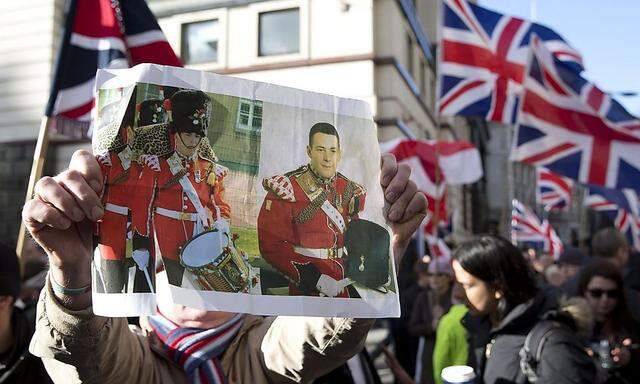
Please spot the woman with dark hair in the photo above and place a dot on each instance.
(500, 288)
(615, 332)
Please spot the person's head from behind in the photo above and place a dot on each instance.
(494, 275)
(570, 262)
(601, 284)
(440, 275)
(324, 150)
(609, 243)
(9, 279)
(422, 273)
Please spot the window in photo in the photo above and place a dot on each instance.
(249, 116)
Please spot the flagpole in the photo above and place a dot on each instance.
(436, 211)
(42, 143)
(37, 166)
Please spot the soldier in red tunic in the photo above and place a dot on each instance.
(304, 216)
(181, 192)
(120, 174)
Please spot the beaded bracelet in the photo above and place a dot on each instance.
(57, 288)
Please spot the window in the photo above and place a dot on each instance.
(279, 32)
(410, 56)
(249, 116)
(423, 78)
(200, 42)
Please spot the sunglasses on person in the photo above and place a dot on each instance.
(611, 293)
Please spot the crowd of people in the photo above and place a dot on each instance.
(504, 304)
(512, 314)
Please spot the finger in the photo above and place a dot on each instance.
(416, 206)
(85, 163)
(82, 192)
(388, 168)
(397, 209)
(37, 215)
(397, 185)
(48, 190)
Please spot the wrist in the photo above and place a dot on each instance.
(71, 289)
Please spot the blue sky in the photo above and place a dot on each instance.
(607, 34)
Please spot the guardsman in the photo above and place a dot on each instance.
(120, 174)
(181, 191)
(151, 112)
(304, 216)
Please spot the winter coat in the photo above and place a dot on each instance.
(79, 347)
(563, 360)
(451, 341)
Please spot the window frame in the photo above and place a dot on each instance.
(184, 41)
(173, 30)
(249, 128)
(304, 23)
(299, 48)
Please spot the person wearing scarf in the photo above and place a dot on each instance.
(179, 344)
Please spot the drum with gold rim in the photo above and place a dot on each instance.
(215, 263)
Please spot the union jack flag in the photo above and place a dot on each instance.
(526, 227)
(622, 207)
(483, 60)
(101, 34)
(564, 125)
(553, 191)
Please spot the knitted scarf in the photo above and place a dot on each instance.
(196, 350)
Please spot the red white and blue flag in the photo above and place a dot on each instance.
(553, 191)
(564, 126)
(101, 34)
(622, 207)
(526, 227)
(483, 58)
(434, 164)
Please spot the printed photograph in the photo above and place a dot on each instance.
(228, 194)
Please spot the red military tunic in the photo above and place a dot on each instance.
(162, 198)
(120, 175)
(295, 230)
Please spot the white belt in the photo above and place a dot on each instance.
(320, 253)
(119, 209)
(184, 216)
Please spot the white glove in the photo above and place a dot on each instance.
(329, 286)
(222, 225)
(141, 257)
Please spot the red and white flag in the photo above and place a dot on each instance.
(434, 164)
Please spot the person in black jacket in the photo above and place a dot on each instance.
(501, 291)
(17, 325)
(616, 334)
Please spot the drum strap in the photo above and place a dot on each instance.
(175, 165)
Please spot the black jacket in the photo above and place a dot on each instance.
(18, 365)
(497, 350)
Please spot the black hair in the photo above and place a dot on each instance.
(620, 318)
(325, 128)
(9, 271)
(501, 266)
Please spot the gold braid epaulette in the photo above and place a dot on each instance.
(108, 138)
(152, 140)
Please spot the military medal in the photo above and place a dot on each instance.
(197, 175)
